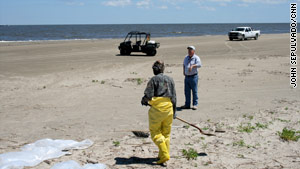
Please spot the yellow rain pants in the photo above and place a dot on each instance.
(160, 123)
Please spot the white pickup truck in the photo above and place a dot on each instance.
(242, 33)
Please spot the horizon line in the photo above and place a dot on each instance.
(144, 23)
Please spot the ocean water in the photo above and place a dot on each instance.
(78, 32)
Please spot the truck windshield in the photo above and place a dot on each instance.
(239, 29)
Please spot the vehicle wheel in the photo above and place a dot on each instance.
(151, 53)
(256, 37)
(230, 39)
(123, 52)
(243, 38)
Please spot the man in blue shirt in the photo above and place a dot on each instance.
(191, 64)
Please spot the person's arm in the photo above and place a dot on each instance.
(198, 62)
(148, 93)
(183, 70)
(174, 99)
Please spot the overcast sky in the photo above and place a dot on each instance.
(23, 12)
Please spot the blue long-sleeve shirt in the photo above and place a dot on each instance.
(188, 62)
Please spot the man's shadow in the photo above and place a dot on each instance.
(138, 160)
(135, 160)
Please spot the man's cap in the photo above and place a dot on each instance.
(191, 47)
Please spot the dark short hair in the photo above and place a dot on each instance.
(158, 67)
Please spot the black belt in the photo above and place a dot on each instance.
(191, 75)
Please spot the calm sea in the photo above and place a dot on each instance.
(72, 32)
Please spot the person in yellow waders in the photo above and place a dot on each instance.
(160, 94)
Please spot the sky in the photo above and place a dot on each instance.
(41, 12)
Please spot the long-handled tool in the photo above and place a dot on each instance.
(208, 134)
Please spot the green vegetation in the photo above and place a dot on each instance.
(262, 126)
(282, 120)
(94, 81)
(286, 108)
(289, 134)
(248, 128)
(116, 143)
(240, 156)
(205, 128)
(102, 81)
(207, 163)
(186, 126)
(139, 81)
(190, 154)
(249, 117)
(188, 144)
(271, 112)
(239, 143)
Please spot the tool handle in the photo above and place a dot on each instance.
(189, 124)
(208, 134)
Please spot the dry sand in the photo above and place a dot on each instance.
(84, 90)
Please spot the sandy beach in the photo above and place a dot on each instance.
(85, 90)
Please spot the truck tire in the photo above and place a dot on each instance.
(230, 39)
(151, 53)
(256, 37)
(243, 38)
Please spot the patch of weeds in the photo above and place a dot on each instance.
(205, 128)
(282, 120)
(133, 73)
(116, 143)
(248, 128)
(262, 126)
(256, 145)
(94, 81)
(208, 120)
(240, 156)
(188, 144)
(239, 143)
(249, 117)
(139, 81)
(186, 126)
(102, 81)
(271, 112)
(44, 87)
(202, 138)
(289, 134)
(190, 154)
(286, 108)
(207, 163)
(218, 125)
